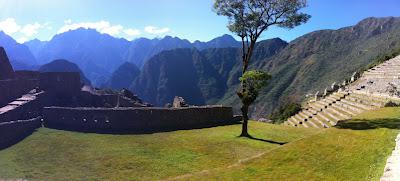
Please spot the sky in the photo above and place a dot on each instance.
(189, 19)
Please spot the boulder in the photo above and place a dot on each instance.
(179, 102)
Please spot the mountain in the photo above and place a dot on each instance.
(123, 77)
(35, 46)
(314, 61)
(201, 77)
(179, 72)
(225, 41)
(142, 49)
(62, 65)
(306, 65)
(20, 56)
(98, 55)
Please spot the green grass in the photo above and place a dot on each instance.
(355, 150)
(60, 155)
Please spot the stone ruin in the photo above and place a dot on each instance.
(372, 89)
(6, 70)
(30, 99)
(179, 102)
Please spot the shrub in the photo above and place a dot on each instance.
(284, 112)
(392, 104)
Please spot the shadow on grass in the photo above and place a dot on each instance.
(363, 124)
(264, 140)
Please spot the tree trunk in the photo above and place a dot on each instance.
(245, 110)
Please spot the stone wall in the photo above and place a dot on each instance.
(12, 89)
(26, 107)
(60, 83)
(27, 74)
(135, 120)
(14, 131)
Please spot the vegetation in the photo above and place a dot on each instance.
(355, 150)
(391, 104)
(252, 82)
(285, 112)
(248, 19)
(382, 58)
(60, 155)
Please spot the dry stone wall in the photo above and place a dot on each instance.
(12, 89)
(135, 120)
(14, 131)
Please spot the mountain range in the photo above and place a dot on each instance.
(303, 66)
(208, 72)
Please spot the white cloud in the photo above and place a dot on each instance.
(31, 29)
(9, 26)
(22, 40)
(101, 26)
(132, 32)
(156, 30)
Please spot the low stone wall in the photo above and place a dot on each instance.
(26, 107)
(135, 120)
(12, 89)
(15, 131)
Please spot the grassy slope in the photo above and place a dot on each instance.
(54, 155)
(356, 150)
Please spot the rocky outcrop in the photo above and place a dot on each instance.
(6, 70)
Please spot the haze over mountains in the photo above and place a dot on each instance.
(208, 72)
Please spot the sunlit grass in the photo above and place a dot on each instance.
(355, 150)
(54, 155)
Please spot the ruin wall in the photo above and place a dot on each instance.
(15, 131)
(14, 88)
(135, 120)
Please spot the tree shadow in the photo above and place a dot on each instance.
(363, 124)
(264, 140)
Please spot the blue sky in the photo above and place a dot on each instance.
(189, 19)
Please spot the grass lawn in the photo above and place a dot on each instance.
(355, 150)
(60, 155)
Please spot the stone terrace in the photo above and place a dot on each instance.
(372, 90)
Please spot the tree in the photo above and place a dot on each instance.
(248, 19)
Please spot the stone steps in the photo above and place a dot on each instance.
(343, 105)
(338, 106)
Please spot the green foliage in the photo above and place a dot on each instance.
(252, 17)
(382, 58)
(392, 104)
(252, 82)
(285, 112)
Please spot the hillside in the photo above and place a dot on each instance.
(123, 76)
(355, 150)
(182, 72)
(201, 77)
(98, 55)
(20, 56)
(314, 61)
(62, 65)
